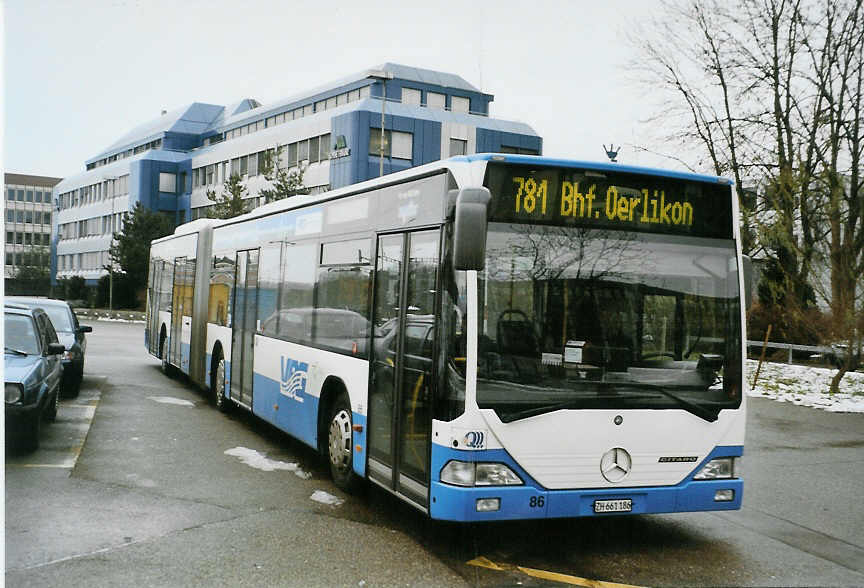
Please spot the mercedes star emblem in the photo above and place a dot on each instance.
(615, 464)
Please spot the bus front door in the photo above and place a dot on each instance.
(402, 359)
(244, 326)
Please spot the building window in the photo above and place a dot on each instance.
(435, 100)
(411, 96)
(168, 182)
(19, 238)
(10, 216)
(397, 145)
(313, 150)
(10, 237)
(302, 150)
(244, 165)
(10, 194)
(20, 195)
(518, 150)
(459, 104)
(19, 216)
(325, 147)
(458, 147)
(403, 145)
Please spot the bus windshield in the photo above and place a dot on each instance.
(593, 318)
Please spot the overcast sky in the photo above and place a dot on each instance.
(79, 74)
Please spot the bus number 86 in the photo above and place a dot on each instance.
(536, 502)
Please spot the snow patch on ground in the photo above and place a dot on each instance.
(259, 461)
(807, 386)
(325, 498)
(170, 400)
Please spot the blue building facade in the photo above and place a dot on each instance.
(333, 133)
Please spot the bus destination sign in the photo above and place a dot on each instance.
(611, 200)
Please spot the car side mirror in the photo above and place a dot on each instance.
(56, 349)
(85, 329)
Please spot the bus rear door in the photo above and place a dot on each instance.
(244, 326)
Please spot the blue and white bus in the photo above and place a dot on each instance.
(487, 337)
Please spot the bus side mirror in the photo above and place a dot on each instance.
(748, 281)
(469, 228)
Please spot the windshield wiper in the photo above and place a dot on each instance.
(688, 405)
(15, 351)
(572, 403)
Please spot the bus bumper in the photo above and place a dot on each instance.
(530, 501)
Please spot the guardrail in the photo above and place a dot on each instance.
(791, 347)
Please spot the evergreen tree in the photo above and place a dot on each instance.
(230, 202)
(131, 248)
(285, 182)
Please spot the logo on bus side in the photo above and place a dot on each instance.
(294, 375)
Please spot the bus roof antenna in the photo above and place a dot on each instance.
(611, 153)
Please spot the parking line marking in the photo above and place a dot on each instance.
(483, 562)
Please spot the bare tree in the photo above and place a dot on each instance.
(769, 92)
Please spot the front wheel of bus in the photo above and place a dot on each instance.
(340, 446)
(218, 385)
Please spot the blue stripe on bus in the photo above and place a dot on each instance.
(532, 501)
(298, 419)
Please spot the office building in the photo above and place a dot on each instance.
(333, 133)
(28, 221)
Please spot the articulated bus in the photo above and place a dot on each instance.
(487, 337)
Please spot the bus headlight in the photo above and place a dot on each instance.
(464, 473)
(13, 393)
(722, 468)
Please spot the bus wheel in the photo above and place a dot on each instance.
(339, 445)
(167, 368)
(218, 384)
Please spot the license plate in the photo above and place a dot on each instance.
(618, 505)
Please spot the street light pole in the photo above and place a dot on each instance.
(383, 76)
(381, 141)
(110, 182)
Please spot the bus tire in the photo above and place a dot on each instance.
(217, 385)
(340, 445)
(163, 354)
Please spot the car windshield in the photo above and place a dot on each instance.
(20, 334)
(590, 318)
(60, 317)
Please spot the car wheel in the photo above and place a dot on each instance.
(340, 446)
(218, 385)
(53, 405)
